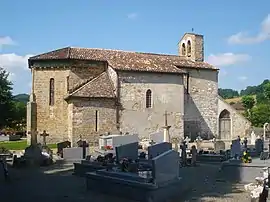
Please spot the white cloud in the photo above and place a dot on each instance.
(132, 16)
(226, 59)
(6, 40)
(244, 38)
(12, 62)
(242, 78)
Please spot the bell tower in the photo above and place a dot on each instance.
(191, 46)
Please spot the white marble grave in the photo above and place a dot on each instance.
(117, 140)
(157, 137)
(74, 153)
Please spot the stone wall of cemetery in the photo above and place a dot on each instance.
(201, 103)
(167, 95)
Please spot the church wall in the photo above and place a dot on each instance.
(201, 103)
(85, 114)
(53, 119)
(167, 94)
(239, 124)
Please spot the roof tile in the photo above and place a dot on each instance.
(125, 60)
(99, 87)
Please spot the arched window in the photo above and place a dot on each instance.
(183, 49)
(148, 98)
(189, 48)
(51, 93)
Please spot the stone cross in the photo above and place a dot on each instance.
(44, 135)
(166, 134)
(33, 136)
(166, 119)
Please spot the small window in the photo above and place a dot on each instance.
(189, 48)
(183, 49)
(51, 92)
(67, 83)
(97, 121)
(148, 98)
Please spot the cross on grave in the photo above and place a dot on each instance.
(44, 135)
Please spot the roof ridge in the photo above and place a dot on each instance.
(126, 51)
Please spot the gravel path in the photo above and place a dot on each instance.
(58, 184)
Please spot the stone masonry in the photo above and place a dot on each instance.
(167, 95)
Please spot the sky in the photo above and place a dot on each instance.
(236, 33)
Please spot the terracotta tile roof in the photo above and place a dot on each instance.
(125, 60)
(99, 87)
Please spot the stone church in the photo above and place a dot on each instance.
(86, 92)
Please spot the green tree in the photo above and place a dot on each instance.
(260, 114)
(248, 102)
(5, 98)
(18, 115)
(266, 91)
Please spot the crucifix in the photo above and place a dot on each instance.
(44, 135)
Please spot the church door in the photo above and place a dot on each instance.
(224, 125)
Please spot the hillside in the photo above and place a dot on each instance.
(21, 98)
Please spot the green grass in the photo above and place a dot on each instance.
(19, 145)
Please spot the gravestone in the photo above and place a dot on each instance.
(157, 149)
(73, 153)
(84, 145)
(259, 146)
(157, 137)
(236, 148)
(219, 145)
(166, 167)
(61, 146)
(129, 151)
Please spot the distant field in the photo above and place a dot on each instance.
(19, 145)
(236, 99)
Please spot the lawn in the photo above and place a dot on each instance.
(19, 145)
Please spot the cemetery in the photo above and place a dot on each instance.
(154, 168)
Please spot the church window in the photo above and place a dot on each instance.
(97, 121)
(67, 83)
(148, 98)
(51, 92)
(183, 49)
(189, 48)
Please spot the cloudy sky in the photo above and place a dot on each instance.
(236, 33)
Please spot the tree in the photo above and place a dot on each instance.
(260, 114)
(227, 93)
(248, 102)
(266, 91)
(5, 98)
